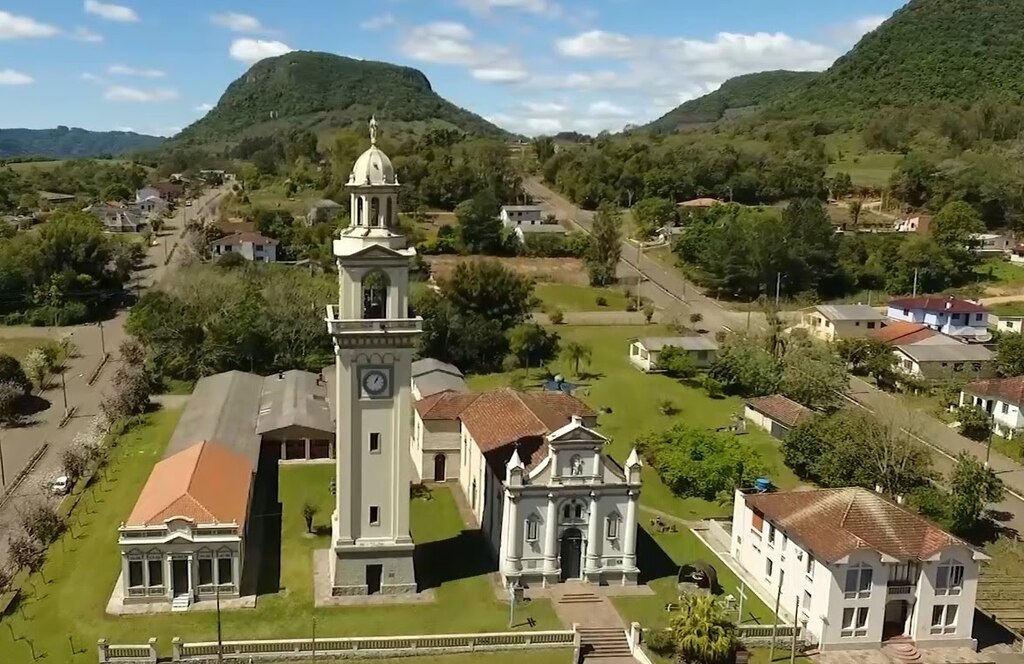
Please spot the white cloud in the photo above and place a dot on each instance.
(543, 125)
(532, 6)
(117, 13)
(125, 93)
(123, 128)
(91, 78)
(850, 33)
(86, 35)
(11, 77)
(167, 132)
(607, 109)
(499, 74)
(204, 108)
(544, 107)
(125, 70)
(24, 27)
(239, 22)
(596, 44)
(378, 22)
(251, 51)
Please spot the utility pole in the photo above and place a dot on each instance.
(639, 271)
(64, 391)
(778, 288)
(103, 341)
(775, 623)
(3, 477)
(792, 645)
(916, 270)
(220, 642)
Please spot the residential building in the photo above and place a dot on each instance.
(436, 435)
(430, 376)
(323, 210)
(54, 198)
(534, 230)
(952, 316)
(1008, 322)
(153, 205)
(920, 224)
(990, 244)
(513, 216)
(1017, 254)
(168, 191)
(117, 218)
(644, 353)
(829, 322)
(901, 332)
(941, 358)
(252, 246)
(1002, 399)
(776, 414)
(864, 569)
(185, 537)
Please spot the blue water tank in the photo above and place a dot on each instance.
(762, 484)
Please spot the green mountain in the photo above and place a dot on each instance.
(738, 94)
(65, 143)
(322, 92)
(929, 51)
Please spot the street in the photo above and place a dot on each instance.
(20, 444)
(678, 298)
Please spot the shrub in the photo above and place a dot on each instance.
(10, 400)
(713, 387)
(660, 642)
(601, 301)
(23, 552)
(42, 523)
(556, 315)
(676, 362)
(696, 317)
(11, 372)
(648, 312)
(666, 407)
(37, 368)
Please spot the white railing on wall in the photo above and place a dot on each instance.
(109, 653)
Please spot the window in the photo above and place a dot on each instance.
(374, 443)
(871, 325)
(809, 569)
(944, 619)
(578, 511)
(904, 574)
(205, 571)
(806, 605)
(979, 317)
(769, 567)
(785, 541)
(612, 526)
(156, 572)
(949, 578)
(858, 582)
(375, 515)
(224, 571)
(135, 573)
(855, 622)
(771, 535)
(1006, 408)
(531, 529)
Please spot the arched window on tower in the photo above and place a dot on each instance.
(374, 211)
(360, 221)
(375, 295)
(389, 219)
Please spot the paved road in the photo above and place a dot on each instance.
(20, 444)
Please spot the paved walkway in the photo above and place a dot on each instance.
(594, 318)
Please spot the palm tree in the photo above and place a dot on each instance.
(576, 352)
(703, 632)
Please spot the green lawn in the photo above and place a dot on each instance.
(609, 381)
(571, 297)
(995, 271)
(1008, 309)
(72, 603)
(866, 168)
(546, 656)
(19, 347)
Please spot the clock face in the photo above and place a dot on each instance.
(376, 383)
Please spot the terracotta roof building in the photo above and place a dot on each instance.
(902, 332)
(865, 569)
(776, 414)
(962, 319)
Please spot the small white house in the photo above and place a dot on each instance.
(958, 318)
(513, 216)
(1009, 323)
(252, 246)
(990, 244)
(644, 353)
(829, 322)
(534, 230)
(941, 358)
(1002, 399)
(776, 414)
(865, 570)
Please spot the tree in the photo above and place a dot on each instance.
(602, 259)
(479, 224)
(75, 461)
(696, 318)
(6, 578)
(37, 368)
(532, 345)
(702, 631)
(11, 372)
(744, 367)
(955, 224)
(1010, 354)
(544, 148)
(309, 510)
(676, 362)
(813, 376)
(25, 553)
(10, 402)
(648, 311)
(973, 486)
(231, 260)
(650, 214)
(489, 289)
(42, 523)
(856, 207)
(132, 352)
(974, 422)
(576, 353)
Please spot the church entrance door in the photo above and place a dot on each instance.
(439, 468)
(571, 553)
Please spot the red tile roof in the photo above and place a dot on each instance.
(445, 405)
(781, 409)
(902, 332)
(207, 483)
(833, 523)
(950, 304)
(1010, 390)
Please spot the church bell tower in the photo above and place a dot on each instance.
(374, 341)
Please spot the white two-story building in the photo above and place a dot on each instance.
(962, 319)
(863, 569)
(1002, 399)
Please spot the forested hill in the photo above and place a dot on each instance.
(930, 51)
(322, 92)
(749, 90)
(62, 142)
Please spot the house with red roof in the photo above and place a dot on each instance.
(865, 570)
(961, 319)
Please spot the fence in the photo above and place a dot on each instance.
(371, 646)
(761, 635)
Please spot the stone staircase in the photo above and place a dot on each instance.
(902, 650)
(579, 598)
(181, 603)
(603, 643)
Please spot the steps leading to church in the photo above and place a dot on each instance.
(902, 650)
(579, 598)
(603, 642)
(181, 603)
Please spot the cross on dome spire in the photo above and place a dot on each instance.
(373, 130)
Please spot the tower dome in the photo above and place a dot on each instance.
(373, 166)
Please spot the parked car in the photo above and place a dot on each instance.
(61, 486)
(188, 203)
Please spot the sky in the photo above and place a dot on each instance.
(530, 66)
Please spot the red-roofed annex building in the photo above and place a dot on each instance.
(864, 569)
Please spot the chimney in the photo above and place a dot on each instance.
(280, 375)
(576, 419)
(949, 302)
(878, 488)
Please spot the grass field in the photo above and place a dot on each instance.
(995, 272)
(19, 347)
(547, 656)
(866, 168)
(70, 603)
(610, 381)
(572, 297)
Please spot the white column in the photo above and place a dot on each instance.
(551, 537)
(593, 533)
(191, 590)
(512, 562)
(629, 536)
